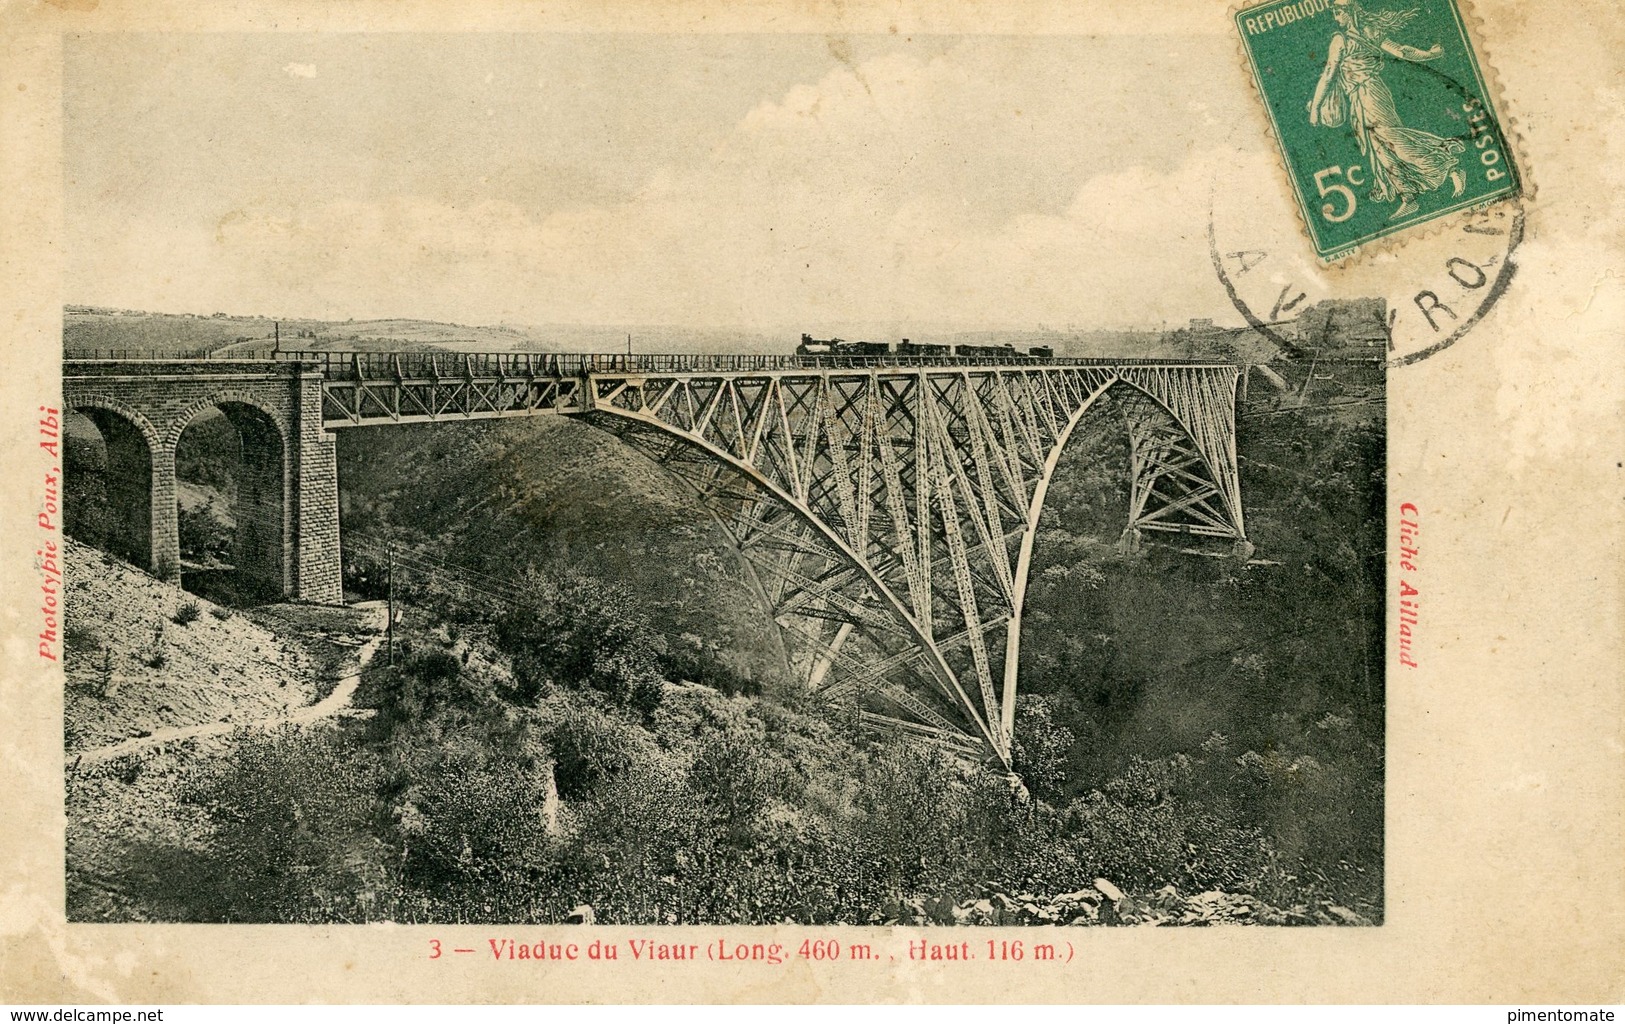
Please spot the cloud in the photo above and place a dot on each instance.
(895, 190)
(299, 70)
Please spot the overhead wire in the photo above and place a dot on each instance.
(456, 573)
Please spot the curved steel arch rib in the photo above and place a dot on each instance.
(890, 512)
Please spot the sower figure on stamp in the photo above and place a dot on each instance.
(1405, 162)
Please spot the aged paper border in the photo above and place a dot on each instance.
(1506, 795)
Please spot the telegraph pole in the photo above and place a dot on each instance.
(391, 628)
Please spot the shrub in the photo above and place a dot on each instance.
(646, 695)
(204, 533)
(431, 679)
(90, 516)
(127, 769)
(435, 666)
(187, 613)
(1142, 846)
(580, 633)
(1042, 746)
(643, 851)
(589, 746)
(736, 780)
(928, 826)
(395, 693)
(80, 638)
(476, 840)
(294, 839)
(220, 612)
(365, 574)
(699, 662)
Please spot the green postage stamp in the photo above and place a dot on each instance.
(1381, 112)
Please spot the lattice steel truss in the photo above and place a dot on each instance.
(886, 505)
(889, 513)
(367, 389)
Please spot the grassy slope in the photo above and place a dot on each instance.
(127, 823)
(166, 334)
(557, 494)
(213, 669)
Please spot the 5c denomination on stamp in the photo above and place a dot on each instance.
(1381, 113)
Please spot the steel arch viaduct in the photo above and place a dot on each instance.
(887, 506)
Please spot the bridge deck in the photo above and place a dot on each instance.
(370, 388)
(349, 365)
(496, 365)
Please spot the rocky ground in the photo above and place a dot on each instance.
(1106, 904)
(124, 816)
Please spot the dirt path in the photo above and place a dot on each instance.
(333, 704)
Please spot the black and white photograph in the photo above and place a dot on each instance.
(802, 503)
(525, 492)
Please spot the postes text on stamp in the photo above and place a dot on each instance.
(1381, 113)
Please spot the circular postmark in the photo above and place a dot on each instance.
(1416, 286)
(1416, 297)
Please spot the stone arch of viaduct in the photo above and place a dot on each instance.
(288, 530)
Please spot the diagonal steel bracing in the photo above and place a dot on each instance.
(886, 506)
(890, 512)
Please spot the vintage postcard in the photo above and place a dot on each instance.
(787, 503)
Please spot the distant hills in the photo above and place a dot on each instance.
(87, 329)
(90, 329)
(1351, 328)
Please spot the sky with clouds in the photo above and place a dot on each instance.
(744, 180)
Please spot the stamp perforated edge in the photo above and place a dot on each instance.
(1511, 130)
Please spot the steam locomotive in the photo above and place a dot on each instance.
(811, 346)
